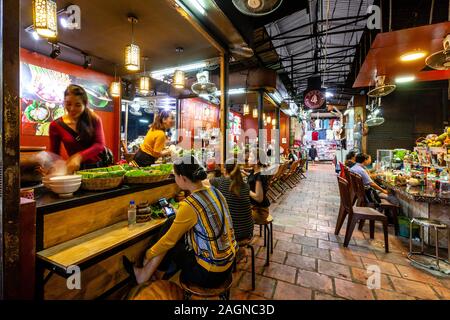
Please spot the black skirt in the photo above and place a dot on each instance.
(180, 258)
(144, 159)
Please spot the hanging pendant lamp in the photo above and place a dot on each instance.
(179, 76)
(115, 88)
(45, 18)
(132, 51)
(179, 79)
(246, 108)
(144, 82)
(255, 113)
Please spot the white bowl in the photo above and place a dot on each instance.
(59, 180)
(65, 190)
(65, 179)
(63, 183)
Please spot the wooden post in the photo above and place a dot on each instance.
(224, 86)
(360, 111)
(10, 146)
(262, 136)
(277, 135)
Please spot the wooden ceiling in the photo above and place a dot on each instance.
(105, 32)
(384, 55)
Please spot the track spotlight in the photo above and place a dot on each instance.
(56, 51)
(87, 62)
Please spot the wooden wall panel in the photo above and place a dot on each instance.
(27, 248)
(410, 113)
(75, 222)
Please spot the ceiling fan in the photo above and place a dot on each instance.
(374, 118)
(150, 108)
(440, 60)
(203, 86)
(381, 89)
(135, 110)
(242, 50)
(257, 7)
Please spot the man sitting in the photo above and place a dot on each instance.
(362, 160)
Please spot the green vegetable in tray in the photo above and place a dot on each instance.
(137, 173)
(89, 174)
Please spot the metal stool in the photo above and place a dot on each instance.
(268, 235)
(247, 243)
(436, 225)
(223, 291)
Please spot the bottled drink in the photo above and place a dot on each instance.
(132, 213)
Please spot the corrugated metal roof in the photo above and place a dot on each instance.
(293, 39)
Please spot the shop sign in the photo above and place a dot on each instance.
(314, 99)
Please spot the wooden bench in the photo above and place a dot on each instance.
(80, 251)
(93, 248)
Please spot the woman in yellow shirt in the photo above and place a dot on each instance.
(200, 240)
(155, 140)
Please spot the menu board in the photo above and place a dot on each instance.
(42, 97)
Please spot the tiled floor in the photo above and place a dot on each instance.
(310, 262)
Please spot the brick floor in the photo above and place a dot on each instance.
(310, 262)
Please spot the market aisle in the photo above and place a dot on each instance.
(309, 261)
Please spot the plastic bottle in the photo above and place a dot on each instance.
(132, 213)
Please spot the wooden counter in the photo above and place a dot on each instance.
(90, 231)
(417, 203)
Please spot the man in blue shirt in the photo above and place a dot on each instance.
(363, 160)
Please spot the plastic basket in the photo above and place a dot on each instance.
(404, 225)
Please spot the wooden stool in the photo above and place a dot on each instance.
(268, 235)
(157, 290)
(247, 243)
(223, 291)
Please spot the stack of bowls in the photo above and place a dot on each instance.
(64, 186)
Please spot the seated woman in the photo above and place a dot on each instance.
(200, 240)
(237, 194)
(259, 184)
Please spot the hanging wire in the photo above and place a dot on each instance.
(431, 11)
(132, 31)
(246, 86)
(390, 15)
(326, 35)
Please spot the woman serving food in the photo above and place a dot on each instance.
(80, 130)
(154, 145)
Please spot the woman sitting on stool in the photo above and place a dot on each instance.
(200, 240)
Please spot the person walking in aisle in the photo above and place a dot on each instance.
(313, 154)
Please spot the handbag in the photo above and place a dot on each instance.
(106, 156)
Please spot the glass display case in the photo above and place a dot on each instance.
(384, 159)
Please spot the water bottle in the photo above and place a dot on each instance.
(132, 213)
